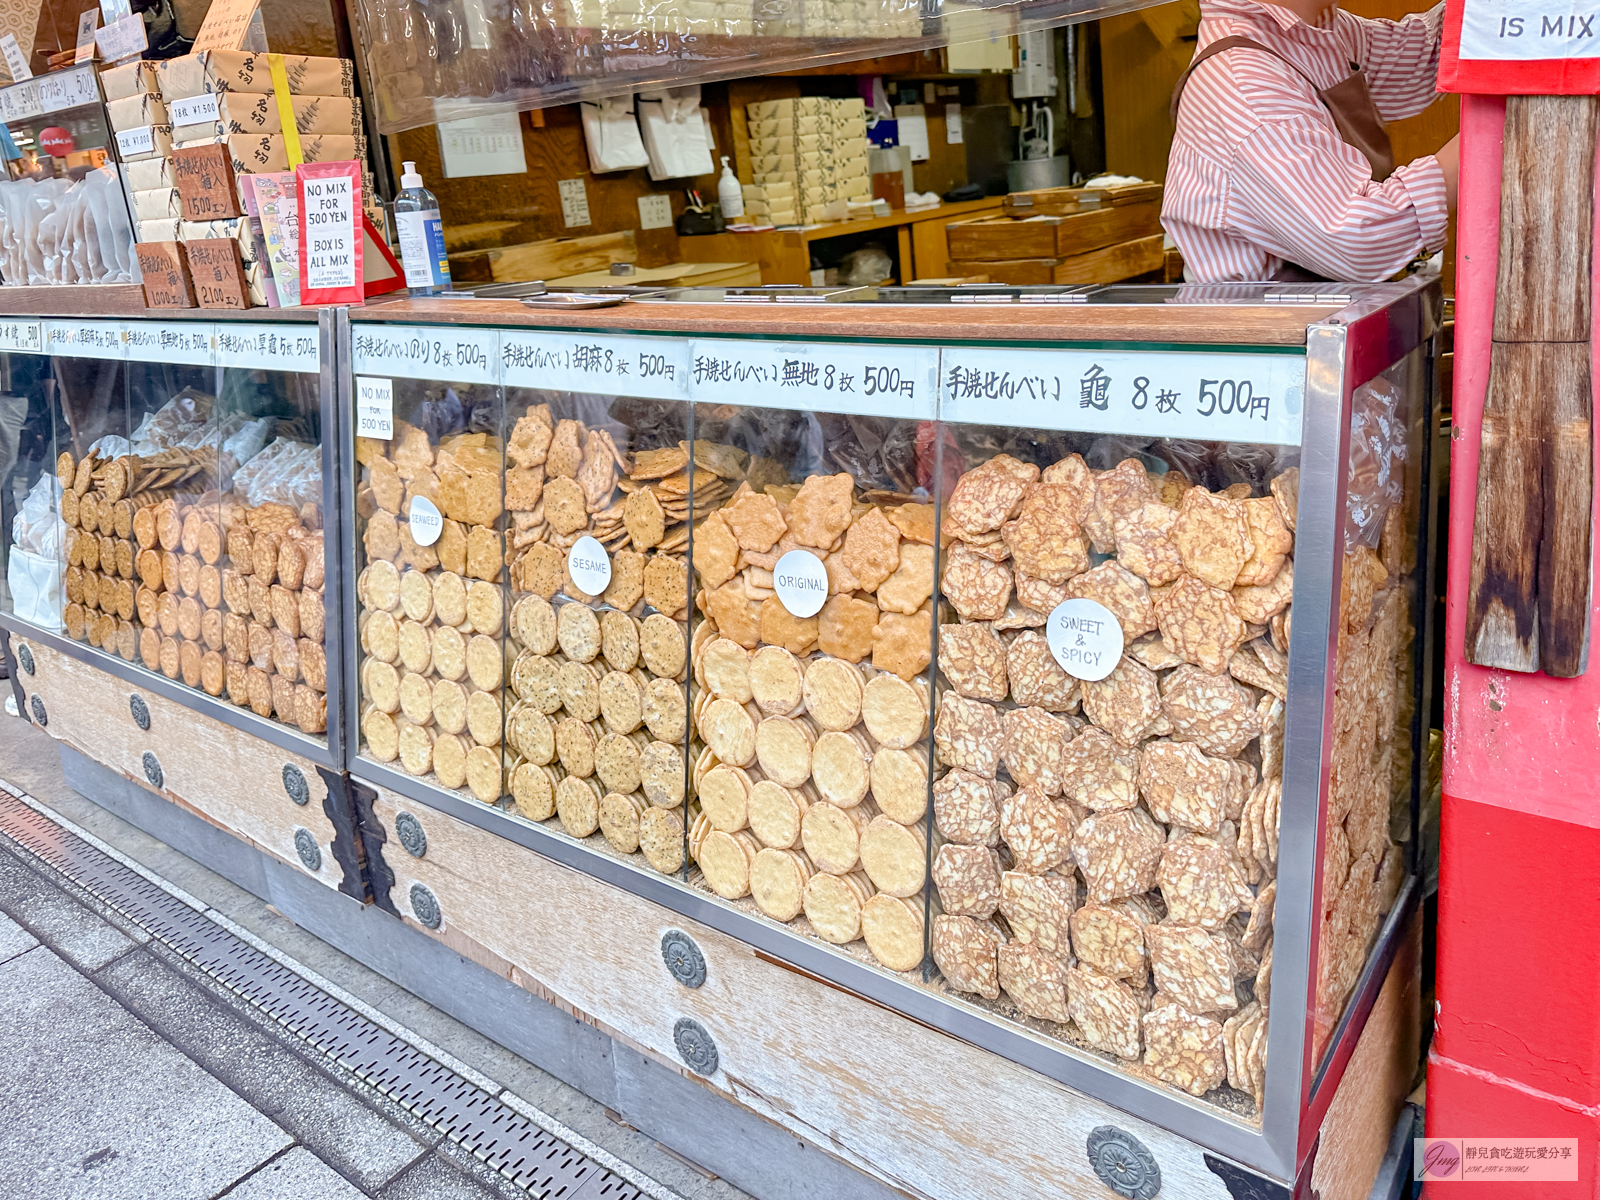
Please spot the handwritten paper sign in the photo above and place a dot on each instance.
(225, 25)
(880, 381)
(1209, 396)
(192, 343)
(16, 60)
(269, 347)
(459, 354)
(218, 273)
(330, 232)
(21, 337)
(165, 268)
(70, 338)
(656, 368)
(203, 176)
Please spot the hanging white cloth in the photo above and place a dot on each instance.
(612, 134)
(675, 132)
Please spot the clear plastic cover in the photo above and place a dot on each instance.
(1374, 759)
(431, 60)
(33, 537)
(1106, 837)
(812, 688)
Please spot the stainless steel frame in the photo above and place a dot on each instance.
(1380, 326)
(329, 752)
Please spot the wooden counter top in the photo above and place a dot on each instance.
(1180, 323)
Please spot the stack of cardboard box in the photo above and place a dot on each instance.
(806, 153)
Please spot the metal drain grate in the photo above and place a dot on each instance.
(501, 1137)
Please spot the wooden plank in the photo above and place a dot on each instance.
(1122, 261)
(1062, 201)
(1192, 324)
(225, 776)
(733, 274)
(1001, 238)
(561, 256)
(1141, 56)
(780, 254)
(1543, 287)
(1019, 272)
(885, 1094)
(1356, 1128)
(1508, 525)
(1565, 554)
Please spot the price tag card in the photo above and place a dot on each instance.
(71, 338)
(374, 407)
(878, 381)
(133, 142)
(1228, 397)
(165, 269)
(657, 368)
(203, 176)
(218, 273)
(22, 337)
(249, 346)
(465, 354)
(195, 110)
(192, 343)
(330, 232)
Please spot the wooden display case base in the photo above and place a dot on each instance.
(75, 300)
(569, 972)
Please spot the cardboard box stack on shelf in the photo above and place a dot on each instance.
(838, 18)
(1063, 235)
(226, 99)
(732, 19)
(806, 153)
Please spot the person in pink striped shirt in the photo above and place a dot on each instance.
(1280, 166)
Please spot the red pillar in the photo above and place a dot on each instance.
(1516, 1049)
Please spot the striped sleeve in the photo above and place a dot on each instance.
(1402, 62)
(1302, 194)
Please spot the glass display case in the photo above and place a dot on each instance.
(179, 528)
(64, 212)
(961, 669)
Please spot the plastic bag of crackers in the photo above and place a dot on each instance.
(811, 753)
(598, 720)
(1107, 850)
(224, 596)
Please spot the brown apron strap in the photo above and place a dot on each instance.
(1349, 102)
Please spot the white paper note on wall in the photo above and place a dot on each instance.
(952, 124)
(913, 122)
(490, 144)
(574, 203)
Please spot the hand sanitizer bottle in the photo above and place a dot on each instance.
(730, 197)
(422, 252)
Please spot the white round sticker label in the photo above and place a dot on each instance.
(590, 566)
(801, 582)
(426, 523)
(1085, 638)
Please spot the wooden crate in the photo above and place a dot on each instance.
(997, 238)
(1107, 265)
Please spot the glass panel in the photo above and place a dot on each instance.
(172, 503)
(430, 551)
(33, 538)
(1112, 667)
(261, 548)
(1374, 759)
(597, 490)
(90, 407)
(813, 641)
